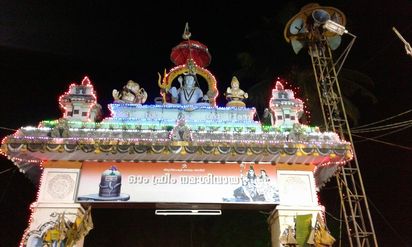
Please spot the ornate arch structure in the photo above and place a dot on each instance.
(168, 78)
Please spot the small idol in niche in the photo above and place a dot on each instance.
(234, 95)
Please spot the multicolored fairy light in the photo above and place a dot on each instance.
(285, 109)
(300, 95)
(32, 207)
(80, 102)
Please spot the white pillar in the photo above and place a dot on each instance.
(297, 193)
(56, 197)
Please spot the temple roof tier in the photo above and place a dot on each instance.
(181, 141)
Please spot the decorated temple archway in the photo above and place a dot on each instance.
(183, 155)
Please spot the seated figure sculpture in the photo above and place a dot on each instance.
(188, 93)
(235, 95)
(131, 93)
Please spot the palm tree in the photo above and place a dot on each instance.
(353, 84)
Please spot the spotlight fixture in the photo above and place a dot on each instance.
(334, 27)
(311, 21)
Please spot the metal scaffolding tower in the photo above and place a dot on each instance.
(354, 203)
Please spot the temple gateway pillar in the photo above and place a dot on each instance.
(55, 215)
(295, 217)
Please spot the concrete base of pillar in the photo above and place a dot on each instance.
(284, 216)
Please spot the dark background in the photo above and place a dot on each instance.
(45, 45)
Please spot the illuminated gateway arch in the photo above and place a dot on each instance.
(181, 154)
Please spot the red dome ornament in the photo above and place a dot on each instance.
(190, 49)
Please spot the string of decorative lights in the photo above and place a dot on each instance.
(31, 217)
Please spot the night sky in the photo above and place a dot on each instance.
(46, 46)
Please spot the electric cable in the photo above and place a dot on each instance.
(5, 128)
(383, 120)
(4, 171)
(384, 127)
(380, 214)
(386, 134)
(333, 217)
(6, 188)
(388, 44)
(384, 142)
(387, 222)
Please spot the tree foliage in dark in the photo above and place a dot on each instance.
(265, 59)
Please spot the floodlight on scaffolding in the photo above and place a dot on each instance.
(308, 23)
(335, 27)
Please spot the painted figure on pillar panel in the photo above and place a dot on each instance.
(188, 93)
